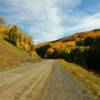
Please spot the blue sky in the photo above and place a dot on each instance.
(48, 20)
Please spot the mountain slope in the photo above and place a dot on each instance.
(82, 35)
(69, 42)
(80, 48)
(11, 55)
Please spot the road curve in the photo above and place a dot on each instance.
(45, 80)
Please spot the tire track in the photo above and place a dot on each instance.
(62, 86)
(24, 82)
(41, 80)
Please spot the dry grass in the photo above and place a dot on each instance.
(91, 80)
(11, 56)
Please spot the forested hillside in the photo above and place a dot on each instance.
(81, 48)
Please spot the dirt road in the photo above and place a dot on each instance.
(45, 80)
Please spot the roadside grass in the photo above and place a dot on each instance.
(89, 79)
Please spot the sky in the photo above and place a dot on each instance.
(48, 20)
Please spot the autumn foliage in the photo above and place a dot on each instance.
(81, 48)
(16, 36)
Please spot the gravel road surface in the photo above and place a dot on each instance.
(45, 80)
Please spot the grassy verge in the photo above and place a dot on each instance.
(91, 80)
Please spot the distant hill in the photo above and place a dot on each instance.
(71, 41)
(82, 48)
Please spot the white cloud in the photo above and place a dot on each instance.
(85, 24)
(43, 15)
(54, 18)
(40, 15)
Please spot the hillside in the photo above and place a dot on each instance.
(81, 48)
(11, 56)
(16, 46)
(72, 40)
(79, 37)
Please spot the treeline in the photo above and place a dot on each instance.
(16, 36)
(41, 51)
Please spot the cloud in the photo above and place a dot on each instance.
(37, 16)
(89, 23)
(40, 15)
(49, 20)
